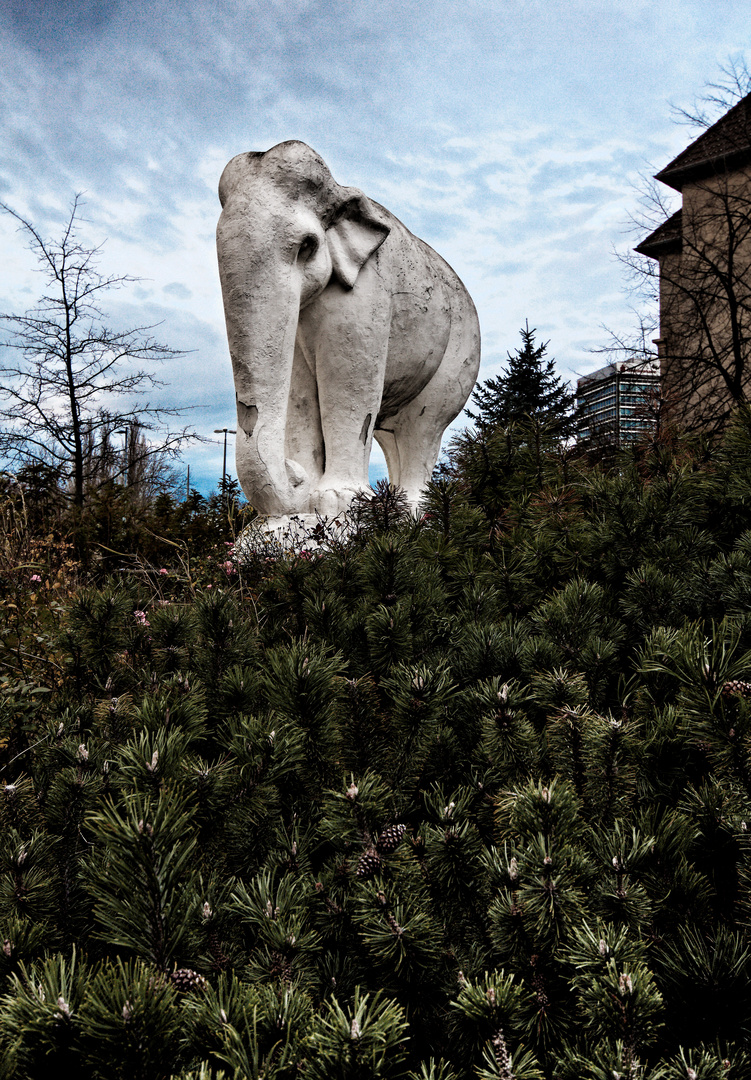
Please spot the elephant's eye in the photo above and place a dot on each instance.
(308, 248)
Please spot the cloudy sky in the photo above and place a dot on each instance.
(509, 134)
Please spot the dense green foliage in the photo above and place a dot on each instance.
(465, 796)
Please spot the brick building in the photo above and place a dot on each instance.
(704, 256)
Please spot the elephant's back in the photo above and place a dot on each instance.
(428, 305)
(412, 261)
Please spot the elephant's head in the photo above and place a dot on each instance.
(286, 228)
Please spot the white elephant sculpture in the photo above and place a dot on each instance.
(342, 326)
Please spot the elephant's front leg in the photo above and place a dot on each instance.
(349, 338)
(304, 438)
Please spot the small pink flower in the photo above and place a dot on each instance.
(162, 571)
(35, 577)
(229, 567)
(228, 543)
(209, 586)
(140, 617)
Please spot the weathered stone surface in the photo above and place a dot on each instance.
(342, 327)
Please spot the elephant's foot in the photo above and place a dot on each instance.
(329, 502)
(273, 487)
(293, 495)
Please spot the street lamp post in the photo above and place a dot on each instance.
(227, 431)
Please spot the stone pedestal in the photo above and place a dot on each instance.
(293, 534)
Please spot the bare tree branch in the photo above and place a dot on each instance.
(732, 84)
(56, 397)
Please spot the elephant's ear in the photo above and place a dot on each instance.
(354, 235)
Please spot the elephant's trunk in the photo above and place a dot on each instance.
(261, 307)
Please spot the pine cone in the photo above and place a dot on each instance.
(185, 979)
(736, 688)
(369, 864)
(390, 838)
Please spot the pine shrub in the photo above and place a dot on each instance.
(465, 795)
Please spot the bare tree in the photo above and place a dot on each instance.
(71, 381)
(637, 340)
(125, 455)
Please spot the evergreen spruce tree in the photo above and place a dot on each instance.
(529, 388)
